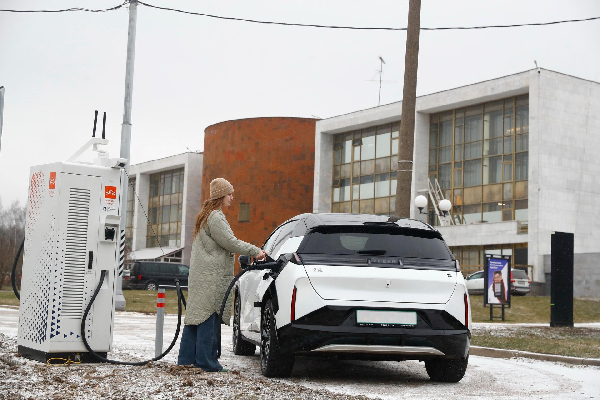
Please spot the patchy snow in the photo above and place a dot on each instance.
(486, 378)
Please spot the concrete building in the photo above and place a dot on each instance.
(162, 202)
(515, 155)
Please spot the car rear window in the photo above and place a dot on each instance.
(376, 241)
(519, 274)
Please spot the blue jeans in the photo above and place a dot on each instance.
(198, 345)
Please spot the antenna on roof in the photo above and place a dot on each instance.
(380, 74)
(104, 126)
(95, 121)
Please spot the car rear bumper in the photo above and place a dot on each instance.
(332, 331)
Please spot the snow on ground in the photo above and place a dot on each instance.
(486, 378)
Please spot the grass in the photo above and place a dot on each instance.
(8, 298)
(531, 310)
(144, 301)
(575, 342)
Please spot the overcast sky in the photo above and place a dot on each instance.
(191, 71)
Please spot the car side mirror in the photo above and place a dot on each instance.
(244, 261)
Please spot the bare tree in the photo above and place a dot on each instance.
(12, 233)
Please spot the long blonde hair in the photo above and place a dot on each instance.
(208, 207)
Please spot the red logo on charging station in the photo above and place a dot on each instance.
(52, 182)
(110, 192)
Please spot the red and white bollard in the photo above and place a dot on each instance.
(160, 322)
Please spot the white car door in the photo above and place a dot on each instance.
(475, 282)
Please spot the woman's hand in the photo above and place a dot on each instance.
(261, 256)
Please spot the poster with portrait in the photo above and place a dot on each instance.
(497, 281)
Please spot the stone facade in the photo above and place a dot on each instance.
(270, 162)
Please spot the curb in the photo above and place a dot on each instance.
(501, 353)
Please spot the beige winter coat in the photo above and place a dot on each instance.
(211, 269)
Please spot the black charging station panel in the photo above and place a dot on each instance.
(561, 283)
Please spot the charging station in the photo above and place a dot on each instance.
(71, 236)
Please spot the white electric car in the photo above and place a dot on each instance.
(355, 286)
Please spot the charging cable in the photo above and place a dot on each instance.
(180, 300)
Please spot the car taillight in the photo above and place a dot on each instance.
(512, 280)
(298, 259)
(293, 306)
(127, 278)
(140, 277)
(466, 311)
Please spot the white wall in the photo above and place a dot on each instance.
(564, 167)
(192, 192)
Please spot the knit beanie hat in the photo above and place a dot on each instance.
(220, 187)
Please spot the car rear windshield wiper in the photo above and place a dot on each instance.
(374, 252)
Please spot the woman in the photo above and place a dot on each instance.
(211, 271)
(497, 290)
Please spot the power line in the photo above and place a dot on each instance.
(302, 25)
(357, 27)
(70, 9)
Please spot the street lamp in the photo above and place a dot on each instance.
(443, 208)
(421, 203)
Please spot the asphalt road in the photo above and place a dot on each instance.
(486, 378)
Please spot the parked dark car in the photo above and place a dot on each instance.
(150, 275)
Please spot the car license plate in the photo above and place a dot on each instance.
(372, 317)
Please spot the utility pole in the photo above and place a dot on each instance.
(125, 146)
(407, 123)
(1, 112)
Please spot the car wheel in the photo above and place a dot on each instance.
(240, 346)
(273, 361)
(441, 370)
(151, 286)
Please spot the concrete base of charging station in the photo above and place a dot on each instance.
(77, 357)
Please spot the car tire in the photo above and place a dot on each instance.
(151, 286)
(240, 346)
(440, 370)
(273, 361)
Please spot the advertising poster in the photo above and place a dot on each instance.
(497, 281)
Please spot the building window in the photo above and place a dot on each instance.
(165, 209)
(480, 157)
(130, 213)
(244, 213)
(364, 170)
